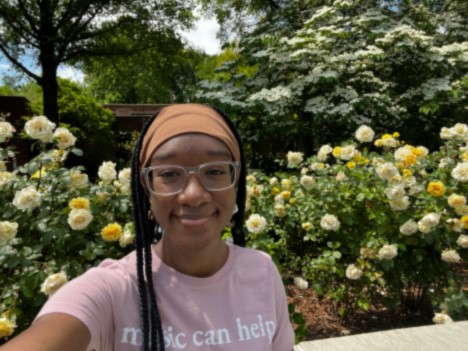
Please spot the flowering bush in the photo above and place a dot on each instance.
(54, 222)
(369, 221)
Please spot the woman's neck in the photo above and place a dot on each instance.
(197, 263)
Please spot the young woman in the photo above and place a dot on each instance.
(183, 288)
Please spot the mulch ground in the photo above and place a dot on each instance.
(323, 321)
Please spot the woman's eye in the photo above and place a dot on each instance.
(168, 174)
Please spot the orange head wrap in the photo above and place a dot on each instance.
(180, 119)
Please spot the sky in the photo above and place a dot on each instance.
(203, 36)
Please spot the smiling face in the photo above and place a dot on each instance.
(195, 217)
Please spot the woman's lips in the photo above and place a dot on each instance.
(194, 220)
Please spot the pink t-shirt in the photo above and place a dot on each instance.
(241, 307)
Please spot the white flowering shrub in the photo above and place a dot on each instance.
(368, 221)
(54, 222)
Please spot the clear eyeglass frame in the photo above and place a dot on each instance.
(146, 174)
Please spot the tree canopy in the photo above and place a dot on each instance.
(65, 31)
(394, 65)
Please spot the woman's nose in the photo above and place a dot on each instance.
(194, 193)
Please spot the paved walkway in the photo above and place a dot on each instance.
(443, 337)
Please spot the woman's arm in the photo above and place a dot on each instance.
(52, 332)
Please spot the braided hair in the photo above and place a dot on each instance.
(148, 231)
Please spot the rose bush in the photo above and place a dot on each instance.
(52, 220)
(363, 222)
(369, 221)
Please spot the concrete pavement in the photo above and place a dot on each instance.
(446, 337)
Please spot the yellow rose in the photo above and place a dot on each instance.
(378, 142)
(350, 164)
(436, 188)
(286, 194)
(336, 152)
(79, 203)
(396, 134)
(306, 225)
(410, 159)
(464, 220)
(407, 172)
(111, 232)
(275, 190)
(7, 327)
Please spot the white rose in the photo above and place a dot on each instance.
(387, 171)
(316, 166)
(5, 177)
(8, 231)
(409, 181)
(125, 176)
(455, 224)
(460, 131)
(107, 171)
(307, 181)
(128, 235)
(365, 134)
(294, 158)
(400, 204)
(6, 131)
(462, 241)
(341, 176)
(444, 162)
(27, 198)
(446, 133)
(353, 273)
(401, 153)
(53, 283)
(347, 152)
(330, 222)
(64, 138)
(428, 222)
(79, 218)
(415, 190)
(389, 142)
(395, 192)
(456, 200)
(461, 210)
(78, 180)
(450, 256)
(256, 223)
(40, 128)
(323, 152)
(388, 252)
(441, 318)
(409, 227)
(301, 283)
(460, 172)
(273, 181)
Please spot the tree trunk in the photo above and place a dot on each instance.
(50, 92)
(49, 61)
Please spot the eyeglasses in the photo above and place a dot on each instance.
(170, 180)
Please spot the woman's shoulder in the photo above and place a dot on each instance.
(124, 269)
(253, 258)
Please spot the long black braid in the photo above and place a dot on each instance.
(147, 231)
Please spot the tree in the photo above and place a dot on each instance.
(149, 77)
(393, 65)
(65, 31)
